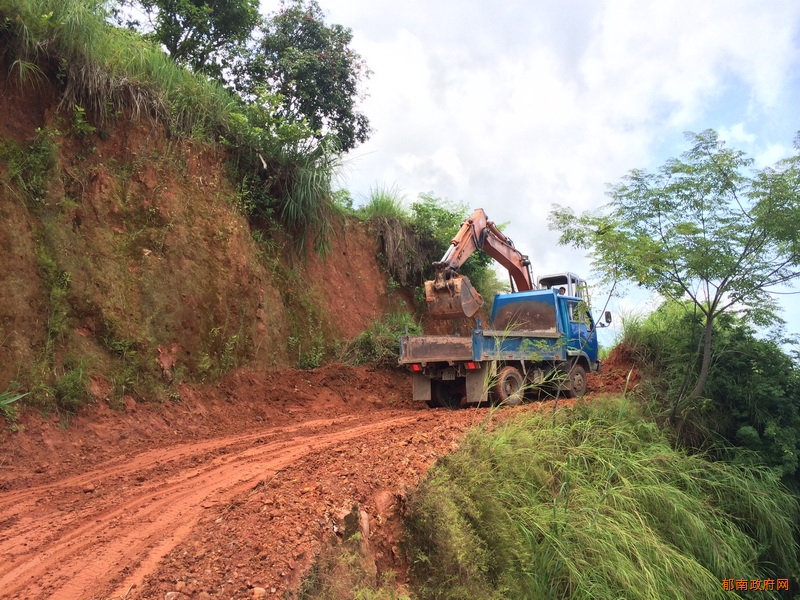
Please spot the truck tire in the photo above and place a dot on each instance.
(577, 381)
(446, 395)
(509, 387)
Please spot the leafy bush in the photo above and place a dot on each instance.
(753, 390)
(597, 506)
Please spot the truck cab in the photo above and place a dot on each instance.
(569, 282)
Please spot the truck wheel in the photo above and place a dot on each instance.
(446, 395)
(577, 380)
(509, 389)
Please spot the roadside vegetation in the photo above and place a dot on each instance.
(597, 505)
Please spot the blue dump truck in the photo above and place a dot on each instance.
(541, 336)
(542, 339)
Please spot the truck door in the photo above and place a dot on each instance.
(582, 334)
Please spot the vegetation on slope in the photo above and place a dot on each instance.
(85, 183)
(282, 159)
(598, 505)
(752, 399)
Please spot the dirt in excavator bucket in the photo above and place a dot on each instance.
(455, 299)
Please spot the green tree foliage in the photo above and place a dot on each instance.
(753, 391)
(202, 34)
(702, 227)
(312, 67)
(755, 386)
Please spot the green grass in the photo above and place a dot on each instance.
(598, 506)
(29, 167)
(384, 203)
(379, 344)
(7, 407)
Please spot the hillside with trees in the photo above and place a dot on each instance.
(198, 344)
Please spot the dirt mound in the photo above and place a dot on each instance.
(618, 373)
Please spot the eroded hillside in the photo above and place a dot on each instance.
(127, 264)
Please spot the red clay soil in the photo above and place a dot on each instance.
(231, 492)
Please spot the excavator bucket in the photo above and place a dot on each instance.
(455, 298)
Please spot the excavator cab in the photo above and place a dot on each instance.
(451, 296)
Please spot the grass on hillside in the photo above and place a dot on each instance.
(105, 72)
(598, 506)
(379, 344)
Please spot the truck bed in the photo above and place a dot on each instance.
(434, 348)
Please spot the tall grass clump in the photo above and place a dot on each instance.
(299, 178)
(379, 345)
(597, 506)
(401, 248)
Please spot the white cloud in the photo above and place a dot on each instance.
(517, 105)
(736, 135)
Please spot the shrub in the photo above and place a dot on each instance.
(379, 344)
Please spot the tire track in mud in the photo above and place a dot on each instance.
(75, 537)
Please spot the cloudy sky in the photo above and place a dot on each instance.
(514, 106)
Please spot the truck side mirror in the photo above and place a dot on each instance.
(608, 317)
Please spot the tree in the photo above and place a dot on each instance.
(313, 68)
(753, 391)
(703, 227)
(202, 34)
(756, 390)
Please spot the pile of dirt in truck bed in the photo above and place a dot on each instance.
(230, 491)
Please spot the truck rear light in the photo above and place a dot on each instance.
(472, 366)
(416, 368)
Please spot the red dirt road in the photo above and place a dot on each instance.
(95, 534)
(214, 517)
(229, 493)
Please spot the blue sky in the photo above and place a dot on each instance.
(515, 106)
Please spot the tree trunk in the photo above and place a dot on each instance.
(705, 365)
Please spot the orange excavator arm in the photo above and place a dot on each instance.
(451, 295)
